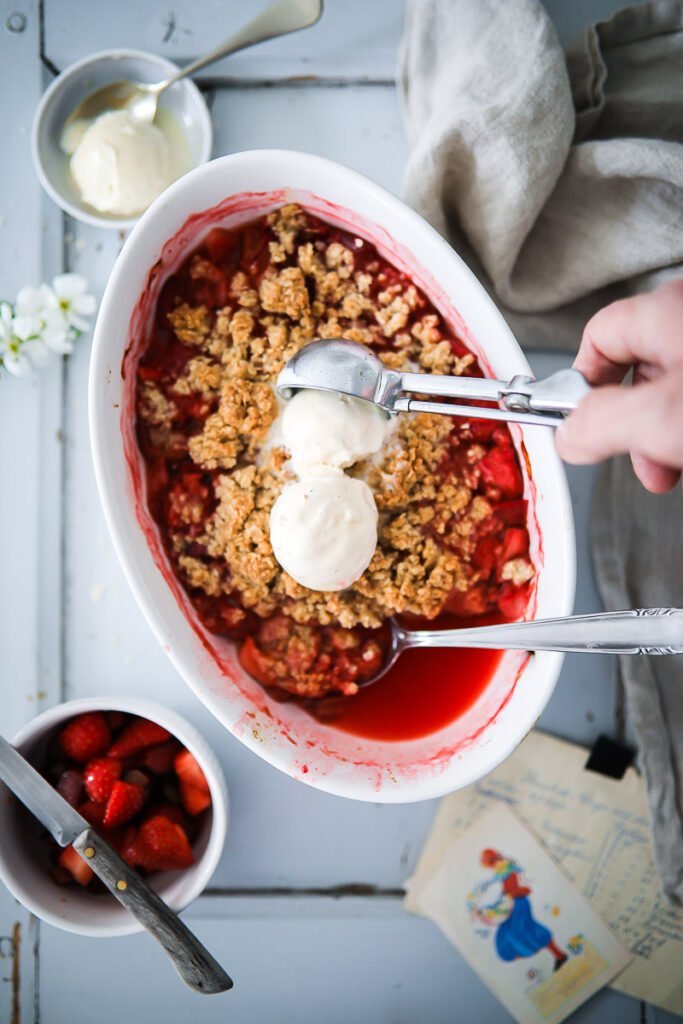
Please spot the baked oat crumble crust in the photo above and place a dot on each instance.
(426, 520)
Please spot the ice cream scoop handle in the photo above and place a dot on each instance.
(635, 631)
(192, 961)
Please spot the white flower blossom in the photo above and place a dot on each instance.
(56, 332)
(34, 301)
(6, 316)
(44, 322)
(73, 298)
(21, 348)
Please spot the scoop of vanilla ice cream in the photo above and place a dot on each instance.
(324, 529)
(323, 427)
(121, 165)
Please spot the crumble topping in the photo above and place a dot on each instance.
(190, 324)
(154, 406)
(218, 410)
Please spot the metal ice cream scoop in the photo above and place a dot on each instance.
(352, 369)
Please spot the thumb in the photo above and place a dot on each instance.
(604, 424)
(645, 420)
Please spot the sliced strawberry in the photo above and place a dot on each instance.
(501, 435)
(162, 845)
(482, 430)
(512, 513)
(128, 850)
(92, 812)
(137, 736)
(515, 543)
(484, 557)
(220, 244)
(255, 662)
(73, 862)
(499, 469)
(99, 776)
(173, 812)
(255, 250)
(474, 601)
(159, 760)
(512, 600)
(86, 737)
(195, 800)
(115, 837)
(70, 786)
(125, 801)
(116, 719)
(189, 772)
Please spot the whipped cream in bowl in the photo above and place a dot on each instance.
(120, 165)
(105, 171)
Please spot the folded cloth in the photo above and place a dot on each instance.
(559, 179)
(639, 564)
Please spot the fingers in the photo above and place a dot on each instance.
(653, 476)
(645, 420)
(644, 329)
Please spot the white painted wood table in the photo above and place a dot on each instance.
(305, 908)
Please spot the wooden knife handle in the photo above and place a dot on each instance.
(192, 961)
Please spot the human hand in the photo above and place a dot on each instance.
(644, 333)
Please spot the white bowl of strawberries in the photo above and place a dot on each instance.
(146, 780)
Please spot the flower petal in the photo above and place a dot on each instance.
(80, 323)
(17, 364)
(32, 301)
(84, 304)
(39, 354)
(6, 317)
(57, 340)
(24, 327)
(68, 286)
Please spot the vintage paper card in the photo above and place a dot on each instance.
(519, 921)
(596, 829)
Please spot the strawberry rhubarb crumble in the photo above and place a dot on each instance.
(452, 534)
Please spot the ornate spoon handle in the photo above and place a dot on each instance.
(636, 631)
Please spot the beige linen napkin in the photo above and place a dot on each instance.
(559, 179)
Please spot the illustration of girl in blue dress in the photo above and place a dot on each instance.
(518, 933)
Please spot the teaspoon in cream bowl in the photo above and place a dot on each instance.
(140, 98)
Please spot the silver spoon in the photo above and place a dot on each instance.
(352, 369)
(140, 99)
(636, 631)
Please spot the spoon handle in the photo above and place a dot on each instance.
(636, 631)
(279, 19)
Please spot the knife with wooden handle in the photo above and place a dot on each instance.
(192, 961)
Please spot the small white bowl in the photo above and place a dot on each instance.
(230, 191)
(183, 100)
(24, 865)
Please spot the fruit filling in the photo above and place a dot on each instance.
(452, 519)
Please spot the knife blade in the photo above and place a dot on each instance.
(192, 961)
(48, 806)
